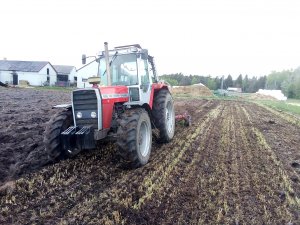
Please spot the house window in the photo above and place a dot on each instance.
(47, 71)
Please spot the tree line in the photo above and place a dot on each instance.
(247, 84)
(287, 80)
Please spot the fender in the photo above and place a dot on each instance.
(156, 87)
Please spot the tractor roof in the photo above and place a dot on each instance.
(128, 46)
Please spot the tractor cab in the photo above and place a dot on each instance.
(129, 66)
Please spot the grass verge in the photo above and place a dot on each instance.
(281, 106)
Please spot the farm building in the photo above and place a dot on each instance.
(66, 75)
(234, 89)
(37, 73)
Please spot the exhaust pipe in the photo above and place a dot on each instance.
(107, 63)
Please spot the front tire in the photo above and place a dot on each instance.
(57, 124)
(164, 115)
(135, 137)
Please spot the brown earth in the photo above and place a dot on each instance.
(237, 164)
(24, 114)
(192, 90)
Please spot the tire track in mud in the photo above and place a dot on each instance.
(283, 137)
(212, 184)
(136, 209)
(228, 168)
(259, 176)
(124, 192)
(202, 196)
(174, 203)
(229, 208)
(58, 188)
(192, 141)
(284, 142)
(237, 186)
(86, 180)
(215, 194)
(280, 141)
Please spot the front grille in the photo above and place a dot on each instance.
(85, 101)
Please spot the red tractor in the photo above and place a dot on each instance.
(125, 106)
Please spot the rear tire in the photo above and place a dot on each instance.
(135, 137)
(164, 115)
(57, 124)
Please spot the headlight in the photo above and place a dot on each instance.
(93, 114)
(79, 115)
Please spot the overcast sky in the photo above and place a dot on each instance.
(204, 37)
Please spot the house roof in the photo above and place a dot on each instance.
(23, 66)
(62, 69)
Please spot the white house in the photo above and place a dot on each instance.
(37, 73)
(66, 75)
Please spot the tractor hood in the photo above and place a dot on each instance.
(111, 95)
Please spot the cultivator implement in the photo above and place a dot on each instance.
(184, 117)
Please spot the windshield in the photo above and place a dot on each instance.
(123, 70)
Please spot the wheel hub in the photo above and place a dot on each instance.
(144, 139)
(169, 117)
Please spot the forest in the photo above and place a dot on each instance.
(287, 80)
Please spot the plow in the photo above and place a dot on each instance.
(186, 118)
(125, 102)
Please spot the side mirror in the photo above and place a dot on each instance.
(83, 59)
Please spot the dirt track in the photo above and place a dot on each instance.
(237, 164)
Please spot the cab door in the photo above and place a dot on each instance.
(145, 81)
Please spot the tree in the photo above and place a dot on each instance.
(275, 79)
(239, 81)
(171, 81)
(288, 81)
(228, 81)
(195, 80)
(185, 81)
(218, 82)
(245, 86)
(261, 83)
(252, 85)
(211, 84)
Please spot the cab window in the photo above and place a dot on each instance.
(143, 71)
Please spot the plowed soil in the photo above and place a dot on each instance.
(238, 163)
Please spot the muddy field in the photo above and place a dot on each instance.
(238, 164)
